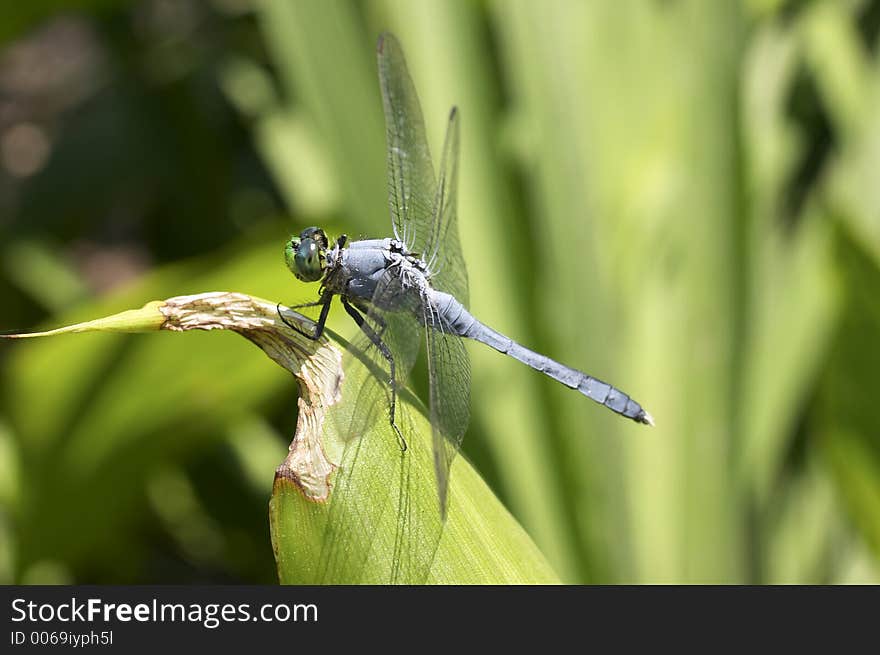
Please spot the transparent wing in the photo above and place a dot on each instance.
(443, 250)
(361, 419)
(449, 377)
(409, 168)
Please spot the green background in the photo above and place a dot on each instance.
(679, 197)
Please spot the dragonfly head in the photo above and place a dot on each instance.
(305, 255)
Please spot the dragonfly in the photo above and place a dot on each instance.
(412, 288)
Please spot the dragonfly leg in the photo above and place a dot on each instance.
(322, 319)
(386, 353)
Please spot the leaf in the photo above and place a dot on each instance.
(385, 527)
(146, 319)
(387, 493)
(315, 364)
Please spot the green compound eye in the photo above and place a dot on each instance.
(305, 256)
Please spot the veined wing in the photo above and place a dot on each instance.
(425, 218)
(443, 250)
(372, 464)
(409, 168)
(449, 377)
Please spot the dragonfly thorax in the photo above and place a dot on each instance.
(357, 270)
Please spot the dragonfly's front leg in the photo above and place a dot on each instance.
(386, 353)
(322, 319)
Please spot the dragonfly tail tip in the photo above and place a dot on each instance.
(645, 418)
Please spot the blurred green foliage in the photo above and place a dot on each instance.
(676, 196)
